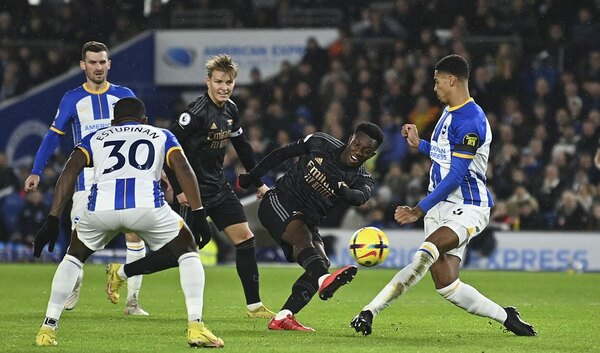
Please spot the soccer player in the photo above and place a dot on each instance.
(127, 160)
(457, 207)
(328, 172)
(86, 109)
(204, 130)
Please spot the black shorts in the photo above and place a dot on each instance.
(276, 211)
(228, 210)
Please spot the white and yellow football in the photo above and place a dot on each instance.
(369, 246)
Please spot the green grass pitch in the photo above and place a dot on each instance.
(565, 310)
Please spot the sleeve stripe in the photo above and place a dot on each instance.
(169, 153)
(463, 155)
(57, 130)
(87, 154)
(237, 133)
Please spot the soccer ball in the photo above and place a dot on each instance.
(369, 246)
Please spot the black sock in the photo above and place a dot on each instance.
(247, 269)
(158, 260)
(312, 263)
(303, 290)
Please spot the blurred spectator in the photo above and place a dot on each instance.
(316, 57)
(500, 218)
(8, 180)
(551, 188)
(593, 223)
(31, 218)
(424, 116)
(520, 196)
(528, 216)
(570, 214)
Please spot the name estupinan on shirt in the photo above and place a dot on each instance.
(119, 129)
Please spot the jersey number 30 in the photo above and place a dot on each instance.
(116, 152)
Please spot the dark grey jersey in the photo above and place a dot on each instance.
(309, 181)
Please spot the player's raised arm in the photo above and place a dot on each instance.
(273, 159)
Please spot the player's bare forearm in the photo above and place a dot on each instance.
(407, 215)
(63, 191)
(186, 178)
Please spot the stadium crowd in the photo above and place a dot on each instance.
(535, 70)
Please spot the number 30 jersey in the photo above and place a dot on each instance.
(127, 161)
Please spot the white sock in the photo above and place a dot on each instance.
(468, 298)
(283, 314)
(322, 279)
(191, 276)
(135, 251)
(407, 277)
(121, 272)
(254, 306)
(62, 285)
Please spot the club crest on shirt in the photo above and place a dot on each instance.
(471, 140)
(185, 119)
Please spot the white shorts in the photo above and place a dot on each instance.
(80, 201)
(157, 226)
(466, 221)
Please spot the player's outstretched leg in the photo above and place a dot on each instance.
(335, 280)
(516, 325)
(113, 282)
(73, 298)
(363, 322)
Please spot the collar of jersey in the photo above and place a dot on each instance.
(460, 105)
(128, 123)
(85, 87)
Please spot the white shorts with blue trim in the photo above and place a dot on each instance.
(80, 201)
(466, 221)
(157, 226)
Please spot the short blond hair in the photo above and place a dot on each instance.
(222, 62)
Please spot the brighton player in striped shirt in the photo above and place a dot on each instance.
(127, 161)
(457, 207)
(84, 110)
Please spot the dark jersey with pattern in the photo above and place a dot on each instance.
(309, 181)
(203, 130)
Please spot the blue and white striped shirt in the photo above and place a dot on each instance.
(462, 133)
(127, 162)
(83, 111)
